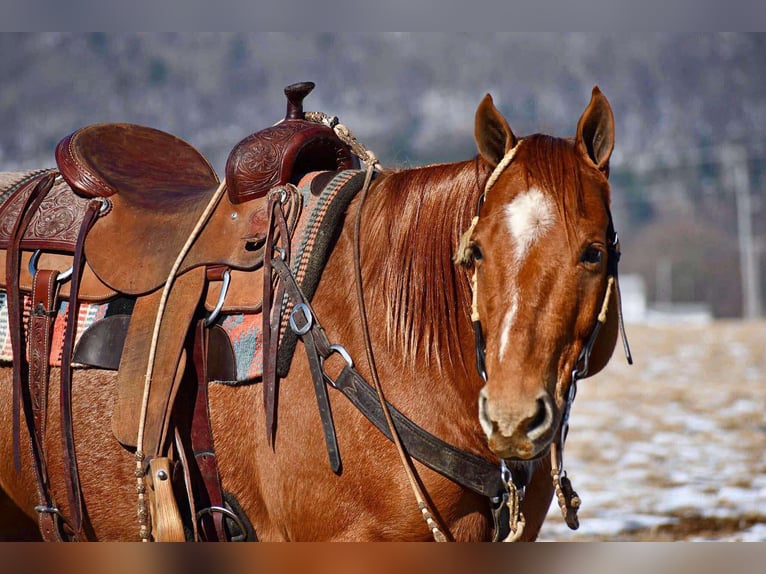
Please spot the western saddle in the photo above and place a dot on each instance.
(120, 212)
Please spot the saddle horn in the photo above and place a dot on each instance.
(296, 93)
(284, 152)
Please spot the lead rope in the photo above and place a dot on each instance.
(567, 498)
(371, 162)
(143, 513)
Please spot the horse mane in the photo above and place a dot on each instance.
(416, 218)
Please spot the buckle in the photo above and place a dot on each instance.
(301, 309)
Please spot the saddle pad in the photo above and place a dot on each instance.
(325, 198)
(87, 316)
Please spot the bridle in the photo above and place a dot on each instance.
(567, 498)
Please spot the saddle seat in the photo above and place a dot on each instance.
(151, 167)
(158, 186)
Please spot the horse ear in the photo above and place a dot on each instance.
(595, 131)
(493, 134)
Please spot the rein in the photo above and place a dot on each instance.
(392, 431)
(369, 159)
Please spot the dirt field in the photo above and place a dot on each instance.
(674, 447)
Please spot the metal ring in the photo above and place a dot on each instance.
(505, 473)
(341, 350)
(221, 297)
(572, 393)
(283, 194)
(227, 513)
(304, 309)
(106, 205)
(63, 276)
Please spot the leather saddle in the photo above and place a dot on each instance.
(159, 185)
(156, 186)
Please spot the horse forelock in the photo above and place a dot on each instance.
(419, 216)
(554, 166)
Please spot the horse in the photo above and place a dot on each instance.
(501, 261)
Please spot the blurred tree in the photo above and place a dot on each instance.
(703, 261)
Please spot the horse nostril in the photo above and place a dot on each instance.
(542, 420)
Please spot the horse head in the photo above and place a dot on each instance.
(541, 249)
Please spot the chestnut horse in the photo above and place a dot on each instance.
(534, 278)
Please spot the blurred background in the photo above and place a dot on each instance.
(687, 172)
(688, 180)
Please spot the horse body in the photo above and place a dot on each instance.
(539, 288)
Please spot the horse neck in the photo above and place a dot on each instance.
(414, 219)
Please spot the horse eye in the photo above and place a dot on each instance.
(476, 253)
(591, 255)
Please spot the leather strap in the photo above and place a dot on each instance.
(272, 306)
(40, 186)
(612, 266)
(464, 468)
(211, 495)
(44, 290)
(72, 477)
(301, 322)
(48, 514)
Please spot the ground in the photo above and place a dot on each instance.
(673, 447)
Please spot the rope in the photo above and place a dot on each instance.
(406, 461)
(500, 167)
(463, 253)
(140, 456)
(605, 305)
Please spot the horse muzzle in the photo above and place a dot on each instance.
(518, 433)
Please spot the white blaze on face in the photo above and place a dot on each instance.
(505, 330)
(528, 217)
